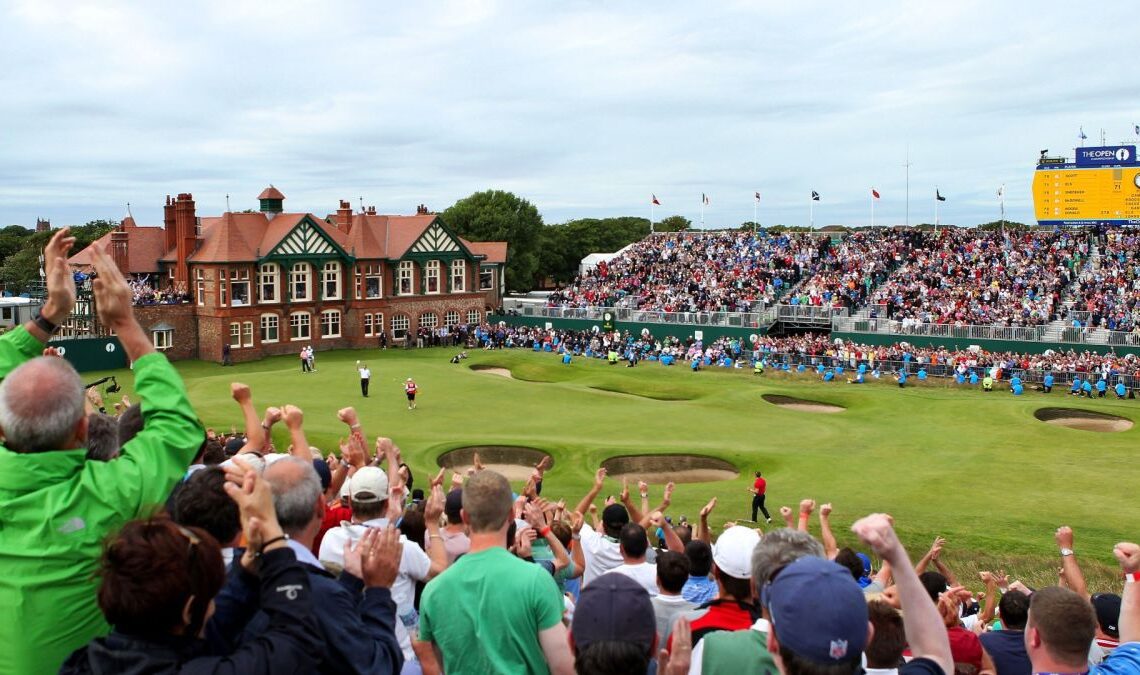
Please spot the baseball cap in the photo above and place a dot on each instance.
(368, 484)
(732, 552)
(1107, 606)
(614, 608)
(615, 516)
(818, 611)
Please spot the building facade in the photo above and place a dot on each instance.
(270, 282)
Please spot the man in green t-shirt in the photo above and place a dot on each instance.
(491, 612)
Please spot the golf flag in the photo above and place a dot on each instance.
(704, 199)
(1137, 127)
(874, 193)
(938, 195)
(654, 200)
(1081, 135)
(1001, 191)
(757, 197)
(814, 196)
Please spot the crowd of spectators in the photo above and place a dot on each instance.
(1108, 288)
(697, 272)
(850, 270)
(300, 559)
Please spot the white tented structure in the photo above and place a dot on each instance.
(591, 261)
(15, 311)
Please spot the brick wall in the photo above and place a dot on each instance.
(181, 318)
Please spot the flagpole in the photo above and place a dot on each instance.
(872, 208)
(1001, 193)
(755, 208)
(811, 213)
(702, 212)
(935, 209)
(651, 209)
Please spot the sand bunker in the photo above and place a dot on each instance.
(659, 469)
(493, 370)
(1085, 420)
(516, 463)
(802, 405)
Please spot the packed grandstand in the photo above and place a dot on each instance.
(1085, 277)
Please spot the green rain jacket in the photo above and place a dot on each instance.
(56, 509)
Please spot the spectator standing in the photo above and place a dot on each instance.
(700, 587)
(365, 375)
(491, 611)
(613, 629)
(59, 507)
(633, 542)
(1006, 647)
(672, 573)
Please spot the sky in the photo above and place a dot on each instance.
(586, 109)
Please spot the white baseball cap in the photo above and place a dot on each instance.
(732, 552)
(369, 484)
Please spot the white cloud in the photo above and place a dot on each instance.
(583, 108)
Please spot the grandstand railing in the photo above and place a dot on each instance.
(738, 319)
(1071, 335)
(809, 313)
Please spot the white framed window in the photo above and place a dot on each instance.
(451, 318)
(458, 276)
(473, 316)
(400, 325)
(368, 329)
(378, 323)
(486, 278)
(299, 326)
(222, 288)
(432, 276)
(235, 334)
(373, 281)
(299, 281)
(406, 270)
(239, 287)
(330, 281)
(163, 339)
(267, 283)
(247, 334)
(200, 283)
(330, 323)
(429, 320)
(269, 328)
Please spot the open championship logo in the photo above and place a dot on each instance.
(1122, 155)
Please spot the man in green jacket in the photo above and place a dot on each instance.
(56, 508)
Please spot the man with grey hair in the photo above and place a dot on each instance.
(356, 615)
(59, 507)
(745, 651)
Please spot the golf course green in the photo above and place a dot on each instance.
(976, 468)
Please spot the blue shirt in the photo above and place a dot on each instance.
(1048, 380)
(699, 590)
(1124, 659)
(1120, 389)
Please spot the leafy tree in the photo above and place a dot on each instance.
(672, 224)
(21, 268)
(495, 215)
(999, 224)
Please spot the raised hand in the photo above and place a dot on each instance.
(1064, 537)
(669, 487)
(876, 531)
(1128, 555)
(478, 463)
(936, 548)
(576, 522)
(273, 415)
(240, 392)
(438, 478)
(785, 511)
(523, 539)
(532, 512)
(624, 488)
(825, 510)
(678, 663)
(544, 464)
(380, 559)
(599, 478)
(642, 487)
(807, 506)
(60, 281)
(347, 415)
(294, 416)
(708, 508)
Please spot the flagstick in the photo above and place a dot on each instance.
(651, 207)
(702, 212)
(755, 207)
(811, 212)
(872, 209)
(935, 209)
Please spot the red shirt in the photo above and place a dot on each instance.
(720, 614)
(965, 647)
(760, 486)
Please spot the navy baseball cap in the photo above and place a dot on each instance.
(818, 611)
(614, 607)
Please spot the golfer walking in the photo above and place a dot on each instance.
(410, 390)
(759, 487)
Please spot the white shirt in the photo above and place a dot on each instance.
(602, 554)
(643, 573)
(365, 373)
(414, 566)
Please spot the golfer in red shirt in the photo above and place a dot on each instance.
(758, 489)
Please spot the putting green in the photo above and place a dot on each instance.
(978, 469)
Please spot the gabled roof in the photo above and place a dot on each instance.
(376, 236)
(495, 251)
(144, 248)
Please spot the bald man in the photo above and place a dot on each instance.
(57, 507)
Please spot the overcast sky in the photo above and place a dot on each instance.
(584, 108)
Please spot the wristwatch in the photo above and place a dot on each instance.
(1066, 552)
(44, 325)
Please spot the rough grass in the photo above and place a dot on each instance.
(975, 468)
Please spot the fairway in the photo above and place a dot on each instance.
(976, 468)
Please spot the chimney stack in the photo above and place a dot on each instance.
(171, 238)
(186, 226)
(119, 250)
(344, 216)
